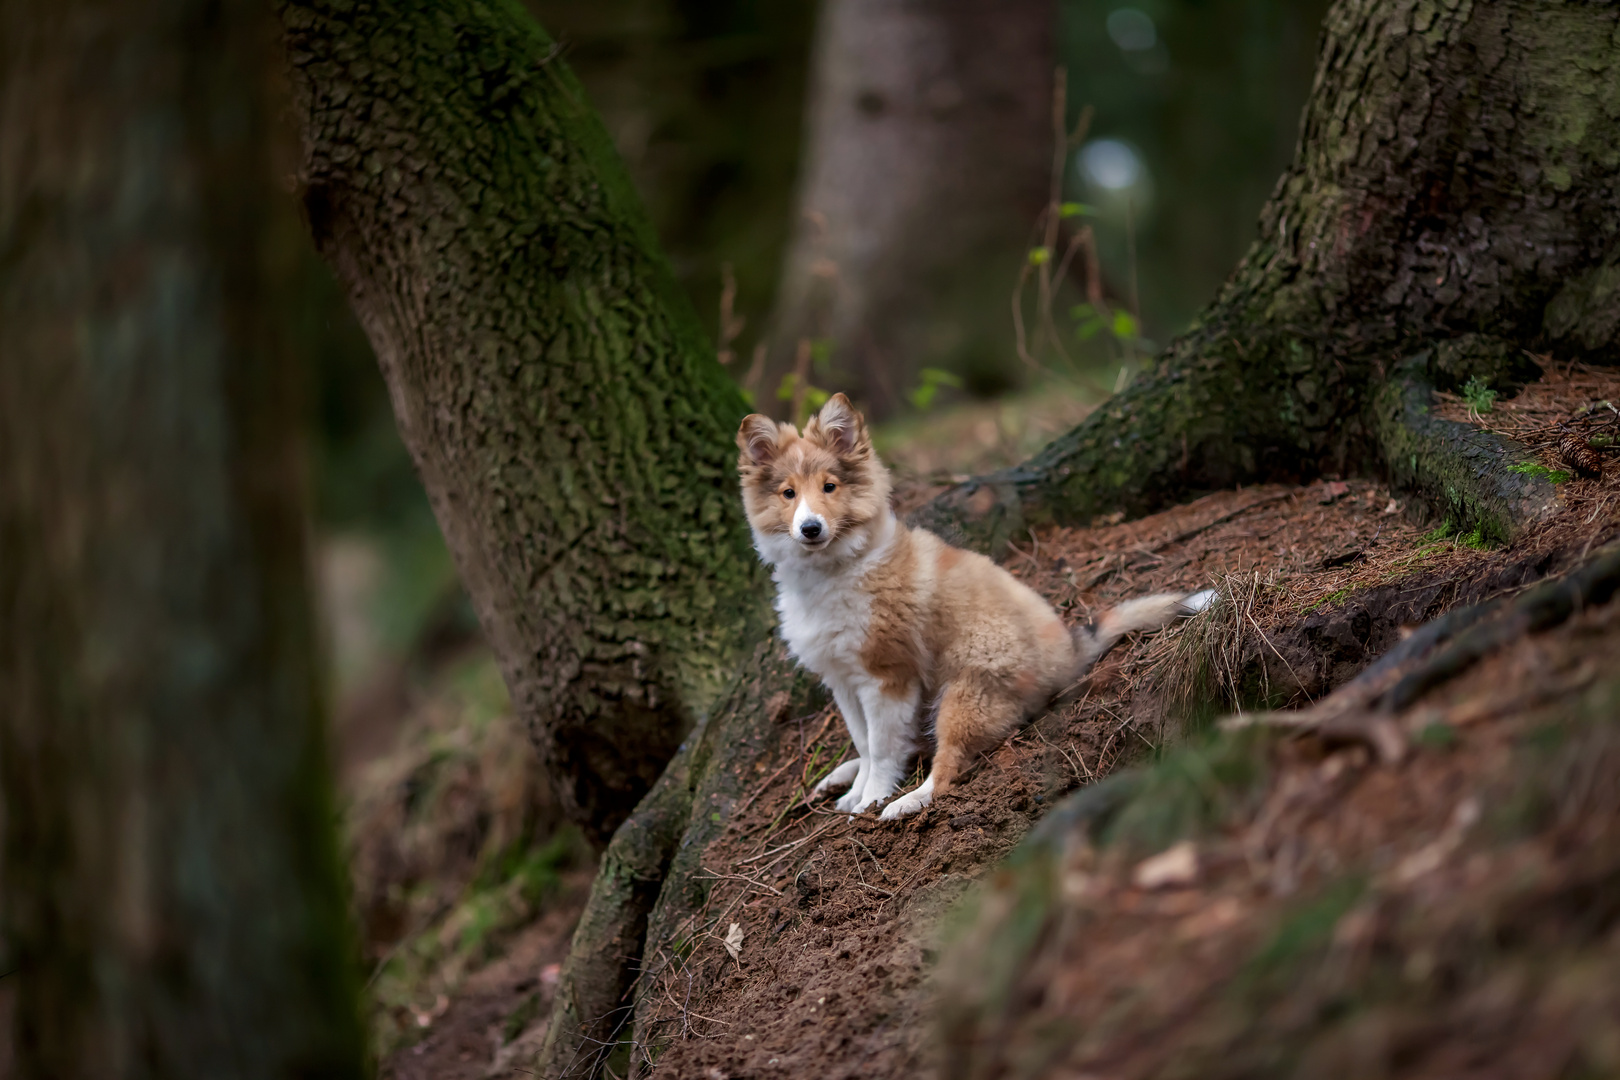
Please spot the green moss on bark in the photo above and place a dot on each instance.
(569, 421)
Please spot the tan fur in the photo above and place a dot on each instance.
(894, 650)
(889, 615)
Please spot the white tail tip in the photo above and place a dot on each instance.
(1198, 601)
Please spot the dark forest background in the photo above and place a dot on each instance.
(1197, 100)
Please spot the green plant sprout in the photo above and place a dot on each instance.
(922, 398)
(1479, 397)
(814, 397)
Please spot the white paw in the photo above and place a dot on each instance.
(853, 803)
(843, 776)
(873, 792)
(909, 803)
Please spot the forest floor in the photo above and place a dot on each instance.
(1440, 901)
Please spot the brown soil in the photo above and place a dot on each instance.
(495, 1022)
(836, 974)
(839, 916)
(1453, 916)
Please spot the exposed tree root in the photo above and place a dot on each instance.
(1464, 473)
(650, 880)
(1440, 651)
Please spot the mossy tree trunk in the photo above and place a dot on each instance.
(570, 423)
(927, 149)
(174, 899)
(1451, 204)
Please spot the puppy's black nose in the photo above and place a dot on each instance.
(810, 530)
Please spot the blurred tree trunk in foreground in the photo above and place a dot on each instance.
(928, 143)
(174, 899)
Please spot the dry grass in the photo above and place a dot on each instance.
(1203, 662)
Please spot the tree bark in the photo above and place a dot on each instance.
(174, 901)
(927, 148)
(570, 423)
(1451, 205)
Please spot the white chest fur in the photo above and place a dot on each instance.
(824, 619)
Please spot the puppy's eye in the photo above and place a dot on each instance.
(829, 487)
(788, 494)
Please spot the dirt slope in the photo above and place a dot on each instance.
(1275, 901)
(840, 918)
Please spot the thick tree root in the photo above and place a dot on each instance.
(1441, 650)
(649, 887)
(593, 994)
(1465, 474)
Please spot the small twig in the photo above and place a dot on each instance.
(740, 877)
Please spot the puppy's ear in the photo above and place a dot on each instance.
(758, 439)
(839, 427)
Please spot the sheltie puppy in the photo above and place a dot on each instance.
(895, 621)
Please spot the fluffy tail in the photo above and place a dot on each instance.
(1093, 640)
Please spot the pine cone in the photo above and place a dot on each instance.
(1574, 451)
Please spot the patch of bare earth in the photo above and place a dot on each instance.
(834, 920)
(1453, 915)
(496, 1021)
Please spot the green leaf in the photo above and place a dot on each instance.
(932, 379)
(1074, 209)
(785, 390)
(1089, 329)
(815, 397)
(1125, 326)
(1082, 311)
(821, 354)
(1038, 256)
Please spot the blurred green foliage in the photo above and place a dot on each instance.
(1211, 107)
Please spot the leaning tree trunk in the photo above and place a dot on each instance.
(571, 426)
(173, 896)
(925, 164)
(1452, 204)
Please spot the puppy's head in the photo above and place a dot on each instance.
(811, 495)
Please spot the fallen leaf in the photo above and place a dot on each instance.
(1173, 867)
(734, 938)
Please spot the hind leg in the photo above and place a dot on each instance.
(973, 720)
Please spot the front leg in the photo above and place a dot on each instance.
(850, 773)
(891, 736)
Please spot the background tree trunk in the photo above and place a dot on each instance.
(570, 422)
(173, 894)
(928, 143)
(1451, 204)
